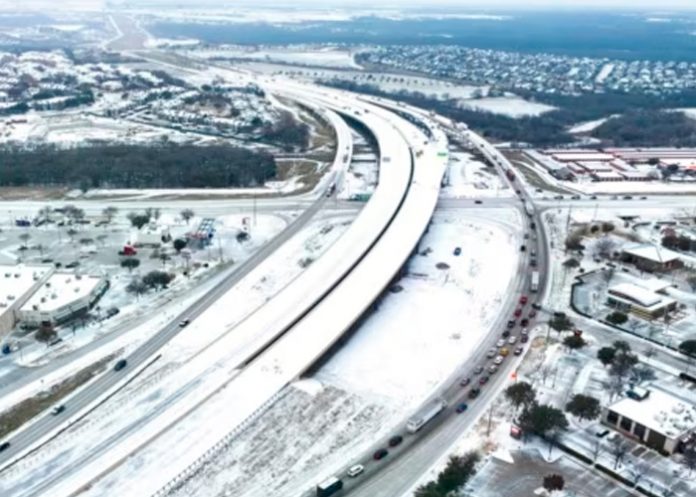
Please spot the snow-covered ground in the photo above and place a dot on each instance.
(371, 384)
(325, 57)
(194, 365)
(509, 106)
(588, 126)
(468, 177)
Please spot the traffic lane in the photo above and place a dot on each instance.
(107, 380)
(453, 392)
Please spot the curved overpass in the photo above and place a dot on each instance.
(283, 338)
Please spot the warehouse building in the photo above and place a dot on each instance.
(649, 257)
(655, 418)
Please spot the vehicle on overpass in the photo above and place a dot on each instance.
(426, 414)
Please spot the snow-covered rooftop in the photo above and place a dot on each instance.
(16, 281)
(638, 294)
(60, 290)
(659, 412)
(651, 252)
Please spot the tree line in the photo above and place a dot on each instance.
(636, 128)
(135, 166)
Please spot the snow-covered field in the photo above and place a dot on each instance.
(373, 383)
(468, 177)
(588, 126)
(509, 106)
(325, 57)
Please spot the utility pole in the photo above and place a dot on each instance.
(254, 208)
(490, 421)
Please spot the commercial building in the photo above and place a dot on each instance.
(17, 285)
(643, 302)
(61, 297)
(655, 418)
(649, 257)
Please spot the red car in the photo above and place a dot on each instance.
(518, 312)
(523, 299)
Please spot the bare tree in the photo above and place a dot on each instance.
(618, 448)
(605, 247)
(187, 214)
(109, 213)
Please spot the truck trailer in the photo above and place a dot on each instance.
(534, 282)
(424, 415)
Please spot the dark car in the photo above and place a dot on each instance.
(395, 440)
(511, 323)
(112, 312)
(505, 334)
(57, 410)
(4, 446)
(120, 364)
(462, 407)
(594, 197)
(518, 351)
(532, 314)
(478, 370)
(380, 454)
(627, 197)
(537, 306)
(72, 265)
(518, 312)
(474, 392)
(478, 202)
(465, 382)
(524, 339)
(523, 248)
(524, 322)
(483, 380)
(457, 250)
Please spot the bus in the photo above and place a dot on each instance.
(534, 282)
(329, 487)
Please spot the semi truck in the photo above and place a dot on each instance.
(424, 415)
(534, 282)
(329, 487)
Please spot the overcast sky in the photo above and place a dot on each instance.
(486, 4)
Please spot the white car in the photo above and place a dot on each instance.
(512, 340)
(355, 470)
(499, 359)
(500, 343)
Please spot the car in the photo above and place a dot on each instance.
(462, 407)
(575, 197)
(627, 197)
(500, 343)
(524, 322)
(524, 339)
(184, 322)
(523, 248)
(478, 201)
(483, 380)
(120, 364)
(380, 454)
(395, 440)
(602, 433)
(537, 306)
(512, 340)
(505, 334)
(474, 392)
(524, 299)
(533, 262)
(593, 197)
(526, 236)
(493, 369)
(532, 314)
(533, 254)
(558, 197)
(465, 382)
(457, 250)
(478, 370)
(532, 226)
(499, 359)
(511, 323)
(644, 198)
(491, 353)
(519, 350)
(112, 312)
(524, 332)
(57, 410)
(4, 446)
(354, 471)
(614, 197)
(72, 264)
(518, 312)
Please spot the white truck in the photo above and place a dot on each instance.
(425, 414)
(534, 282)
